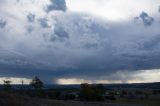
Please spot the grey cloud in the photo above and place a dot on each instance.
(106, 56)
(91, 46)
(44, 23)
(31, 17)
(30, 29)
(94, 48)
(72, 45)
(147, 20)
(2, 23)
(101, 51)
(151, 44)
(18, 0)
(59, 34)
(57, 5)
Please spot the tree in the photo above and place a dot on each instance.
(91, 92)
(100, 88)
(7, 85)
(36, 83)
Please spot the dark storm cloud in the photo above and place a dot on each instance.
(109, 49)
(151, 44)
(68, 44)
(89, 52)
(56, 5)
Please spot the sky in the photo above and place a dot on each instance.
(80, 41)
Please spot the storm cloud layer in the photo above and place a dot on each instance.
(44, 38)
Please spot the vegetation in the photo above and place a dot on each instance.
(91, 92)
(14, 99)
(85, 95)
(7, 85)
(142, 102)
(36, 83)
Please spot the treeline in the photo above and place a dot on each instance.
(36, 83)
(86, 92)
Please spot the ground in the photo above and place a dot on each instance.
(8, 99)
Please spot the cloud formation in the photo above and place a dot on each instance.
(31, 17)
(114, 10)
(64, 44)
(2, 23)
(147, 20)
(56, 5)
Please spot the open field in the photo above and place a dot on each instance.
(80, 96)
(7, 99)
(144, 102)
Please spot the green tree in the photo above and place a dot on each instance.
(7, 85)
(91, 92)
(36, 83)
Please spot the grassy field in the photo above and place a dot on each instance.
(144, 102)
(7, 99)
